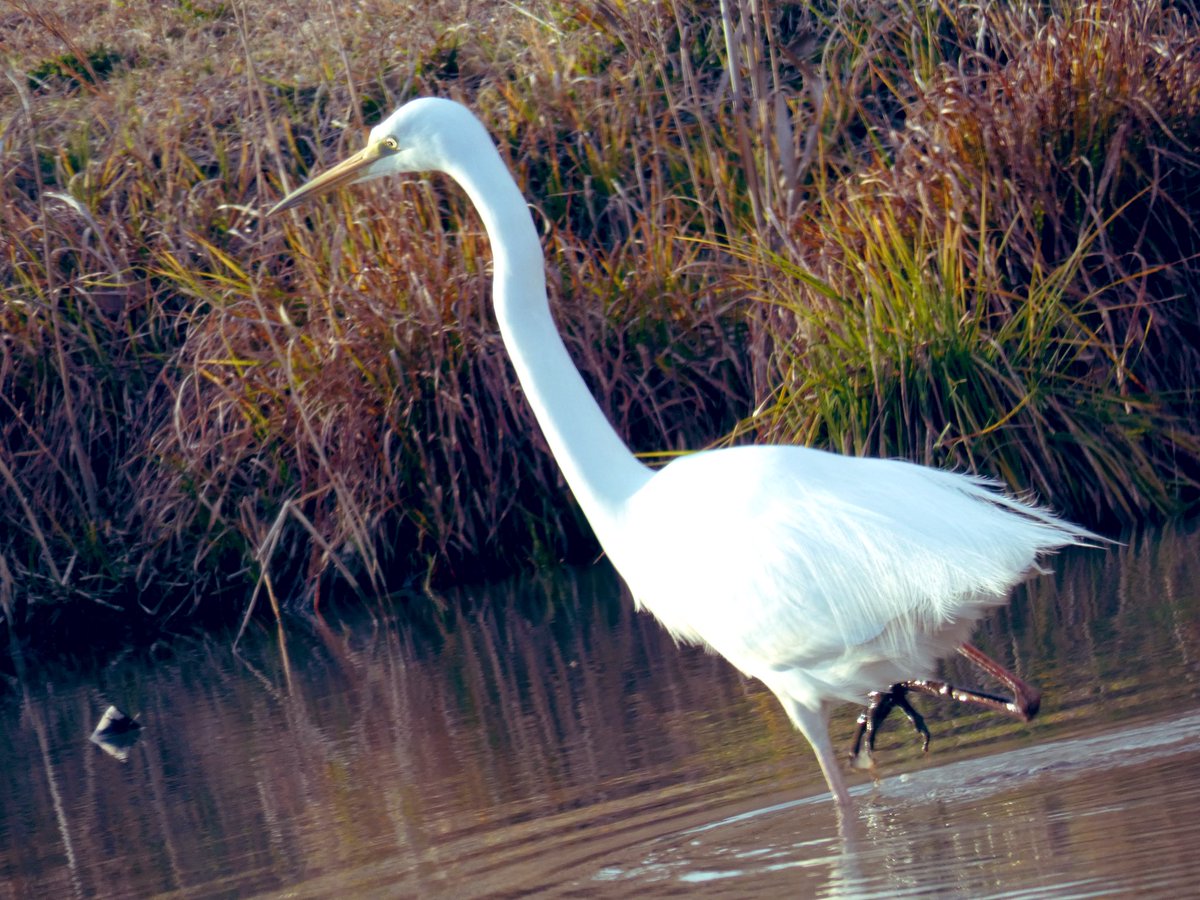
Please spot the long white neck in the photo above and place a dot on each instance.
(600, 470)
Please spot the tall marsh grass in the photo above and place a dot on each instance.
(1008, 281)
(961, 236)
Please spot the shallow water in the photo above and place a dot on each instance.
(550, 741)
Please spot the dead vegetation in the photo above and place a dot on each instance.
(960, 236)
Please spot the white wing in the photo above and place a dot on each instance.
(786, 557)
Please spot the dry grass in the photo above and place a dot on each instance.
(971, 234)
(1009, 283)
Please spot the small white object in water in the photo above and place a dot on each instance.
(116, 732)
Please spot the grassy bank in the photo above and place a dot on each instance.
(961, 237)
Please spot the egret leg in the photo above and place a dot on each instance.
(1023, 704)
(811, 723)
(1026, 699)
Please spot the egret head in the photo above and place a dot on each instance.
(423, 135)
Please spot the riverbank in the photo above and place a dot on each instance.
(961, 238)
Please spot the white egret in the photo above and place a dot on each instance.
(824, 576)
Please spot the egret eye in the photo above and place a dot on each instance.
(391, 144)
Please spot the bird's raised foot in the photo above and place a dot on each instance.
(879, 706)
(1023, 705)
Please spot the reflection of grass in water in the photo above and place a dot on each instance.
(1100, 656)
(515, 740)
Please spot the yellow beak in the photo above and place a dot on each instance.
(348, 170)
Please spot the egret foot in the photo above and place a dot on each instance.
(1024, 704)
(879, 706)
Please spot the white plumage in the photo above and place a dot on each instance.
(825, 576)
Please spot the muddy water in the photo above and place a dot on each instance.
(549, 741)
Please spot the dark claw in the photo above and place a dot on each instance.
(862, 757)
(879, 706)
(913, 716)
